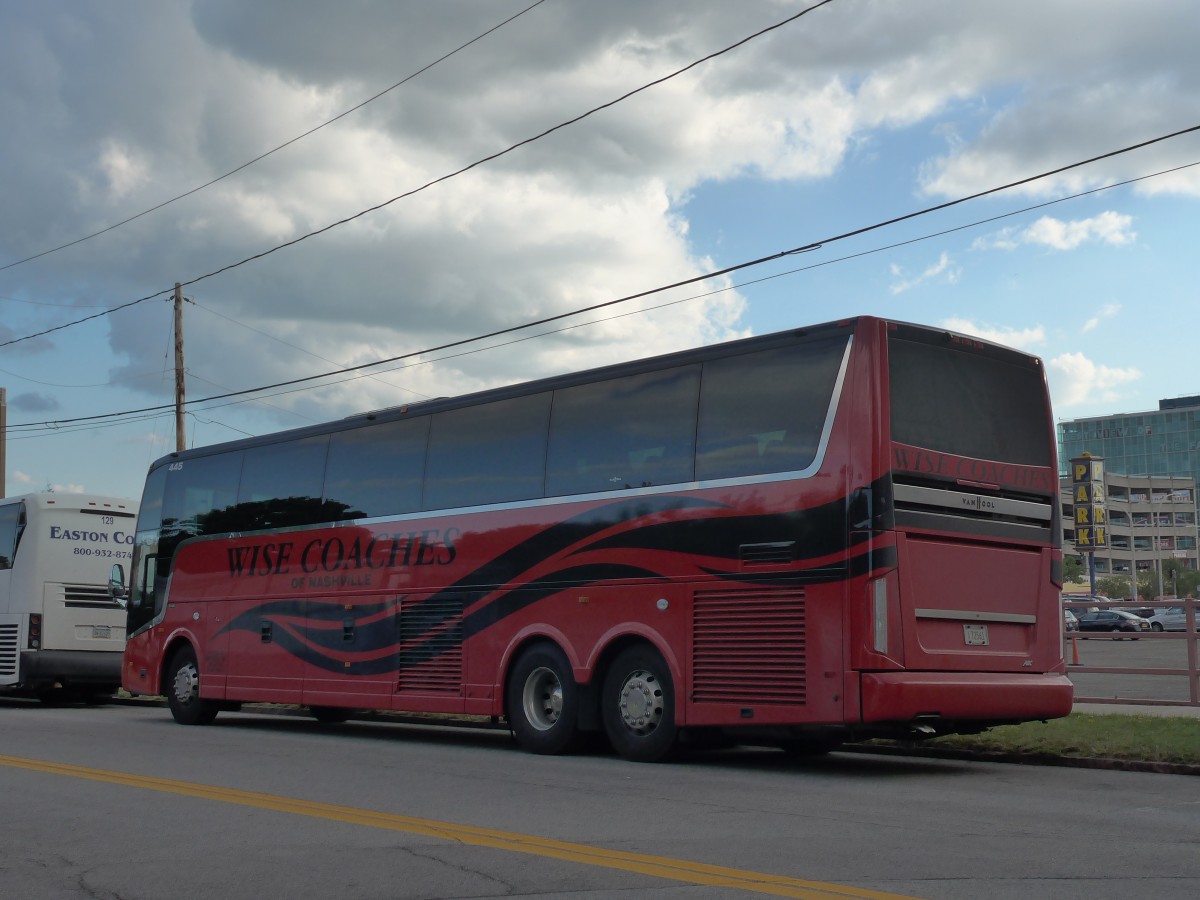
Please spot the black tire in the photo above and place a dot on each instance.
(1156, 626)
(637, 705)
(1116, 632)
(50, 695)
(330, 715)
(542, 701)
(182, 687)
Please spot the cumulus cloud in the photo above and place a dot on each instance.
(34, 403)
(67, 488)
(942, 271)
(1107, 228)
(1106, 312)
(589, 214)
(1075, 380)
(1027, 339)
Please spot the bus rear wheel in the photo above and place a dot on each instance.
(543, 701)
(183, 690)
(638, 705)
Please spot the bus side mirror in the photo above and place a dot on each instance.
(117, 592)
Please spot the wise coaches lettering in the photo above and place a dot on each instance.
(382, 551)
(924, 461)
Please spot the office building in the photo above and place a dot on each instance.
(1150, 518)
(1163, 442)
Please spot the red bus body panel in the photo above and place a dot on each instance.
(425, 612)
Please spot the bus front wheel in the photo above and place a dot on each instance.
(543, 701)
(183, 690)
(638, 705)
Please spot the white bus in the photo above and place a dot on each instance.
(61, 633)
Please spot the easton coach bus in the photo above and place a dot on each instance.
(61, 634)
(833, 532)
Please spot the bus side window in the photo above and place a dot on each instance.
(764, 412)
(491, 453)
(377, 470)
(628, 432)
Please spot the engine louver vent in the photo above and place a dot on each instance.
(10, 636)
(88, 596)
(749, 647)
(770, 554)
(431, 654)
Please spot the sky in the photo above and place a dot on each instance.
(851, 115)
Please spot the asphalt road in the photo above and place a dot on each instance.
(119, 802)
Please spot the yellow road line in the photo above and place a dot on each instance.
(658, 866)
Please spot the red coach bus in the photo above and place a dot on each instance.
(834, 532)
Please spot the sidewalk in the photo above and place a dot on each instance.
(1136, 709)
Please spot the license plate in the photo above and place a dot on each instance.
(975, 635)
(101, 631)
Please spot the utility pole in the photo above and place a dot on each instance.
(180, 441)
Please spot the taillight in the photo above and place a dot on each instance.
(879, 615)
(35, 631)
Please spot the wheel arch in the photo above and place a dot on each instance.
(520, 643)
(589, 673)
(620, 639)
(171, 646)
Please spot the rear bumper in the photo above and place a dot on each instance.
(71, 667)
(964, 696)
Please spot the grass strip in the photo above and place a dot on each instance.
(1160, 739)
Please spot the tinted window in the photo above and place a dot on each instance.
(968, 403)
(197, 493)
(292, 469)
(150, 512)
(487, 454)
(142, 569)
(377, 470)
(198, 498)
(628, 432)
(764, 412)
(280, 487)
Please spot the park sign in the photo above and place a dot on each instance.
(1087, 490)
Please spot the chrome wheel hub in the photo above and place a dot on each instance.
(542, 698)
(641, 701)
(187, 683)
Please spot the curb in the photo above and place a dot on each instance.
(1031, 759)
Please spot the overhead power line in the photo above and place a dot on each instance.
(436, 181)
(744, 265)
(263, 156)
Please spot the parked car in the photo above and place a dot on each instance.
(1116, 621)
(1144, 611)
(1070, 620)
(1096, 602)
(1172, 618)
